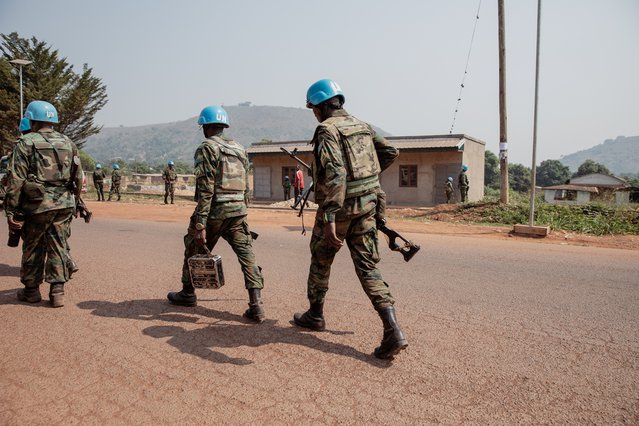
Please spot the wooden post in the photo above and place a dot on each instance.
(503, 139)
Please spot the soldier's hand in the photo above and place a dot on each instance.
(331, 236)
(200, 237)
(13, 225)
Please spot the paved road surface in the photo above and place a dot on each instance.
(500, 332)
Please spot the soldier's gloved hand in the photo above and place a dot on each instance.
(331, 236)
(200, 237)
(13, 225)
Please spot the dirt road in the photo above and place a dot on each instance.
(501, 330)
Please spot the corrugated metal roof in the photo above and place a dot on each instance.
(569, 187)
(421, 143)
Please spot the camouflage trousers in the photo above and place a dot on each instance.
(169, 190)
(360, 234)
(115, 189)
(235, 231)
(99, 188)
(45, 248)
(463, 191)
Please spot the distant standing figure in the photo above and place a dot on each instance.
(449, 189)
(298, 185)
(170, 177)
(287, 188)
(98, 181)
(116, 178)
(463, 183)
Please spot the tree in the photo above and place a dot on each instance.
(552, 172)
(76, 96)
(491, 170)
(519, 177)
(591, 166)
(88, 163)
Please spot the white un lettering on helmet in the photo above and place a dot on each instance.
(221, 117)
(50, 114)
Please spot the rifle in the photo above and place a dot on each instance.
(82, 210)
(408, 250)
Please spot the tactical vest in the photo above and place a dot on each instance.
(52, 158)
(230, 182)
(360, 158)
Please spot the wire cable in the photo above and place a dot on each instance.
(461, 86)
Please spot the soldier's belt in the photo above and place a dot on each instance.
(362, 186)
(229, 197)
(206, 270)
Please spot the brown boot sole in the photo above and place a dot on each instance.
(400, 346)
(297, 319)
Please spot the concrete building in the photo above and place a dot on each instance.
(591, 187)
(415, 179)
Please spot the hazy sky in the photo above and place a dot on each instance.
(399, 62)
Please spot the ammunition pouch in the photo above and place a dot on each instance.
(32, 191)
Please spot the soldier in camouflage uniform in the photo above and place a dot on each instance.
(221, 170)
(448, 188)
(116, 178)
(287, 188)
(43, 167)
(463, 183)
(347, 159)
(98, 181)
(170, 177)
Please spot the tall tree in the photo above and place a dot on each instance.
(591, 166)
(552, 172)
(491, 170)
(519, 177)
(76, 96)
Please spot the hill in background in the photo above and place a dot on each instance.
(620, 155)
(177, 141)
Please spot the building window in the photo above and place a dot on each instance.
(408, 176)
(290, 172)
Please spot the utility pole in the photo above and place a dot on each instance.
(503, 139)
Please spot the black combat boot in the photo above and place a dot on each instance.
(56, 295)
(72, 267)
(313, 318)
(394, 339)
(186, 297)
(166, 200)
(255, 311)
(30, 294)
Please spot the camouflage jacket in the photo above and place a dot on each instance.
(116, 177)
(98, 175)
(42, 168)
(463, 180)
(214, 180)
(331, 168)
(169, 175)
(448, 186)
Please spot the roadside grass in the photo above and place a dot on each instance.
(592, 218)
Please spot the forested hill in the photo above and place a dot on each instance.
(177, 141)
(620, 155)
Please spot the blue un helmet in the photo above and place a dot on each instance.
(464, 168)
(450, 179)
(41, 111)
(25, 126)
(170, 163)
(116, 167)
(321, 91)
(98, 166)
(214, 114)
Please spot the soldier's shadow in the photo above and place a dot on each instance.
(227, 330)
(9, 271)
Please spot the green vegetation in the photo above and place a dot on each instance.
(593, 218)
(77, 96)
(620, 155)
(590, 166)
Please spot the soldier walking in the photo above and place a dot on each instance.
(347, 159)
(170, 177)
(98, 181)
(463, 183)
(221, 171)
(44, 167)
(116, 178)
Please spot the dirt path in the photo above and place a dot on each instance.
(180, 212)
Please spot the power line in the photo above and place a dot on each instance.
(461, 86)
